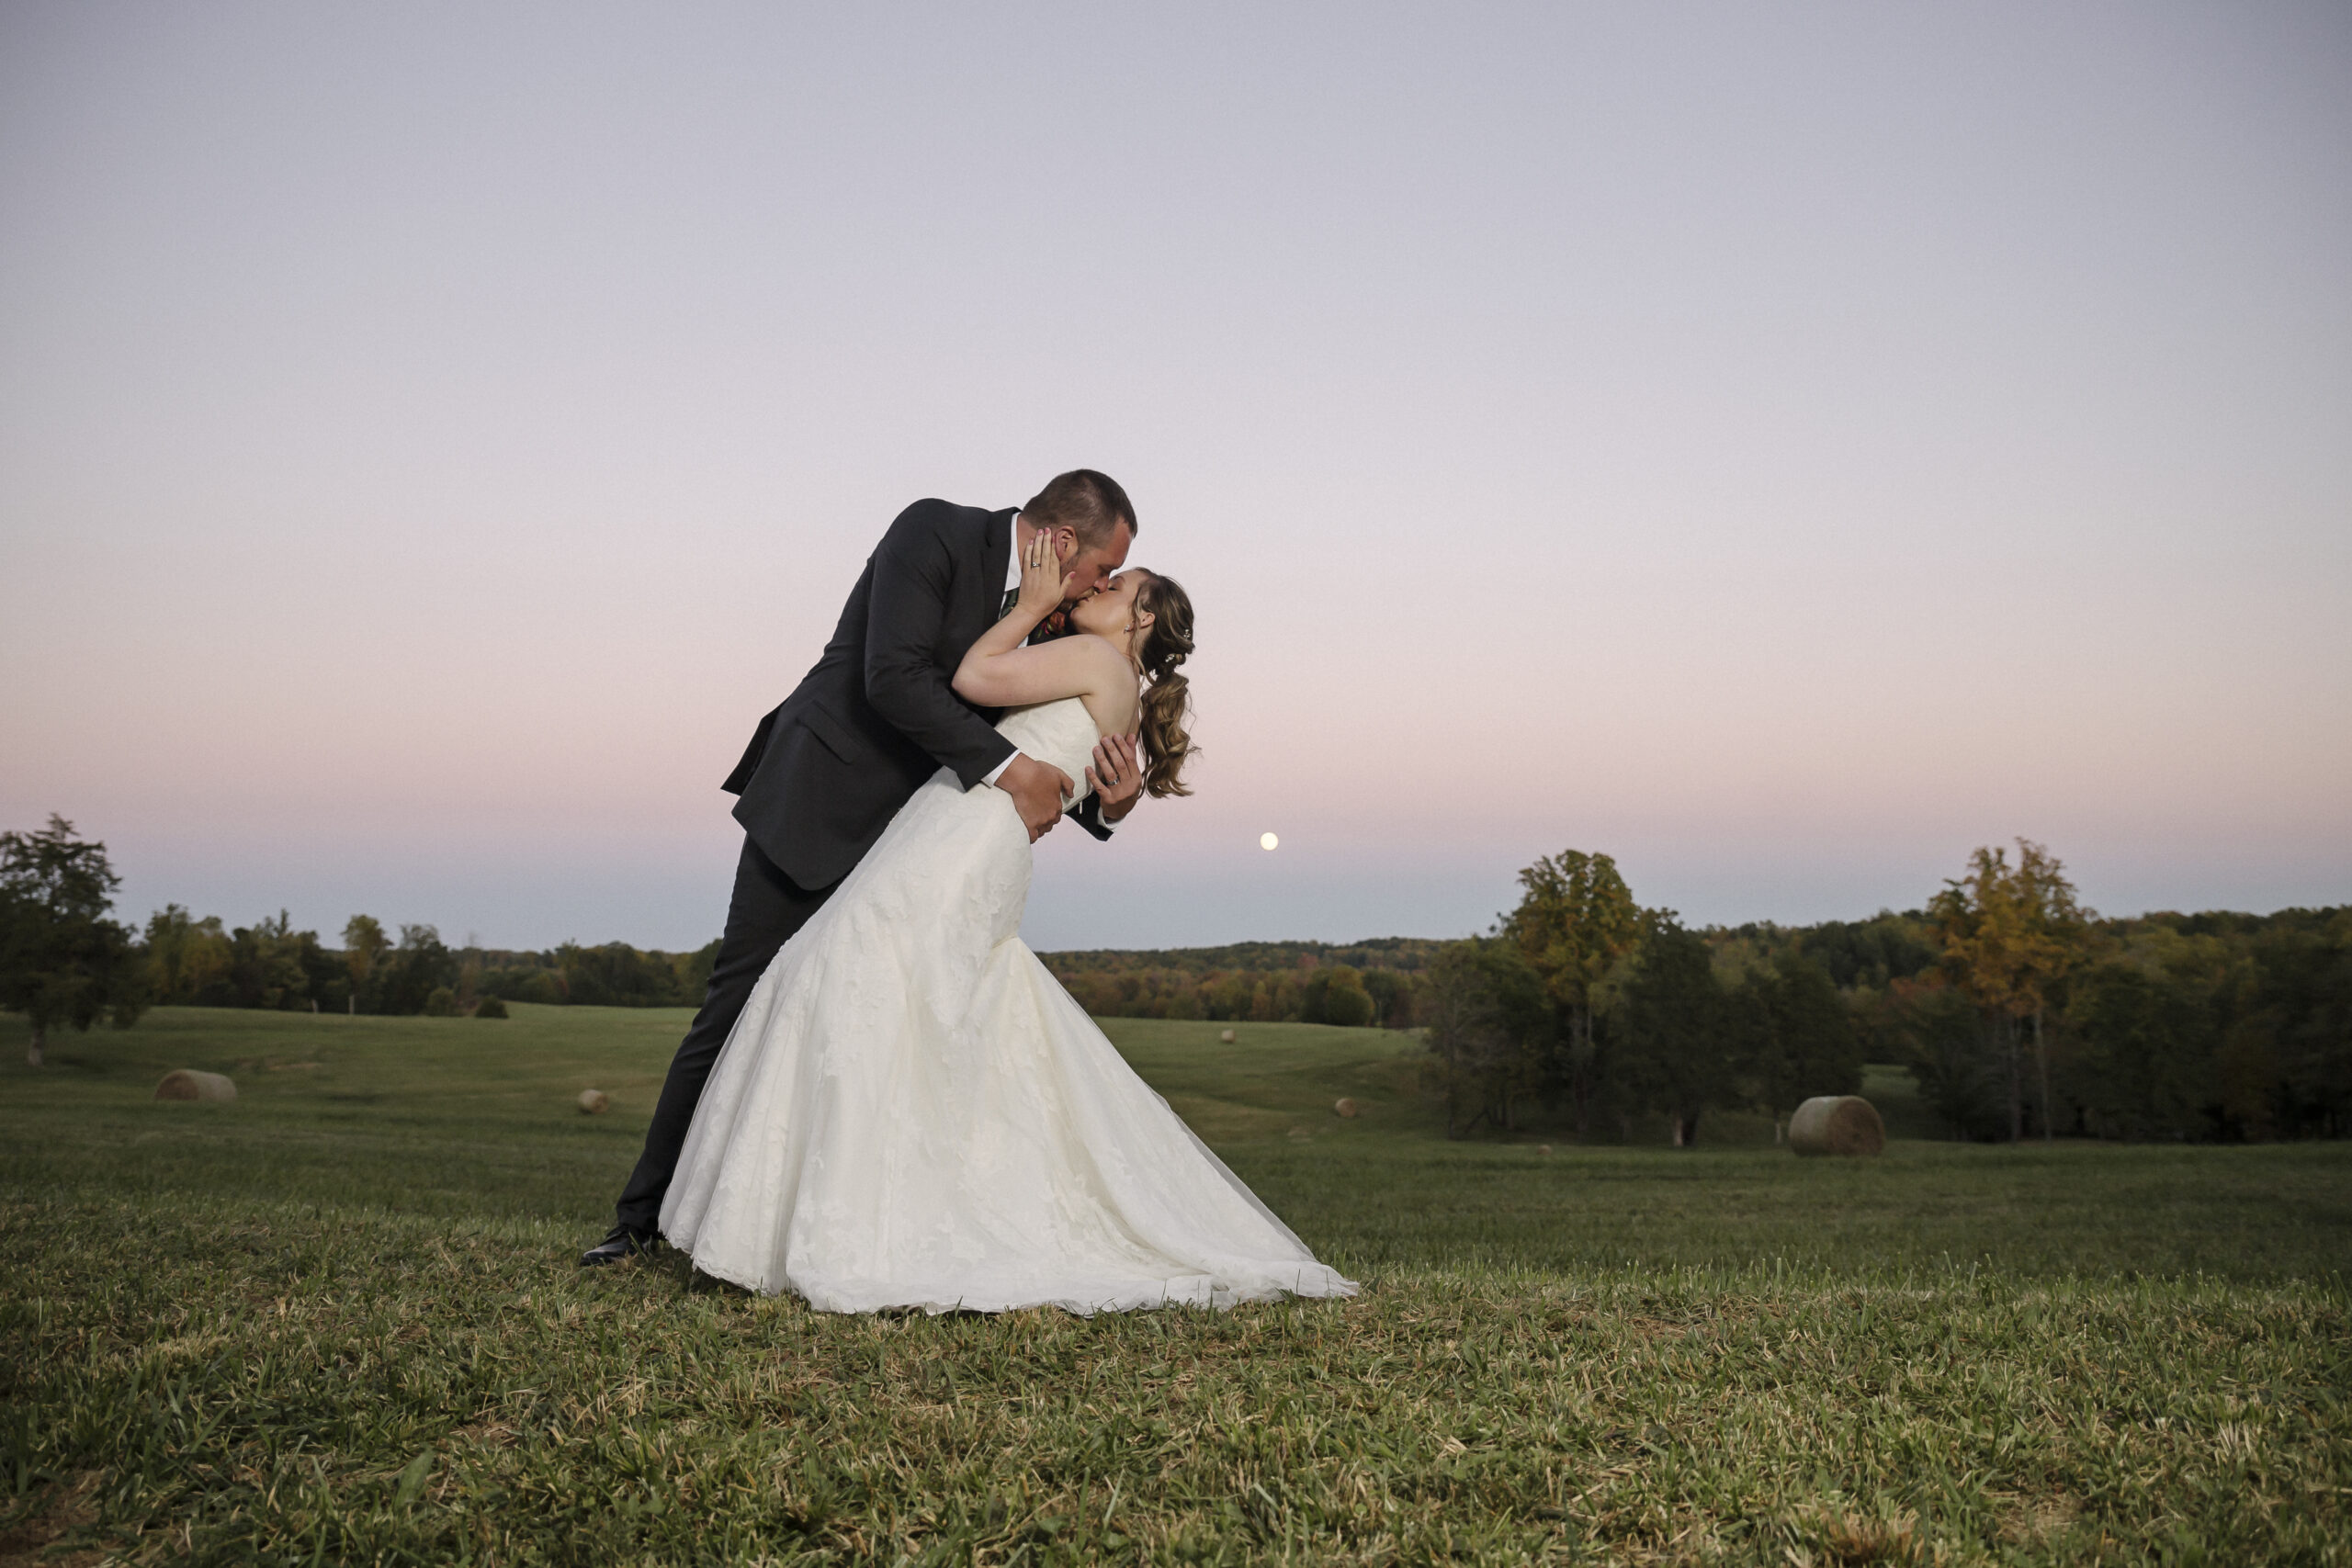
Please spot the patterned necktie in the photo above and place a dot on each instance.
(1052, 626)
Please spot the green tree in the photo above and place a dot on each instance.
(693, 972)
(1802, 1040)
(1392, 997)
(616, 975)
(1575, 919)
(1872, 953)
(1335, 995)
(1346, 1002)
(1487, 1018)
(62, 960)
(1678, 1025)
(2305, 1003)
(421, 965)
(1928, 1025)
(267, 968)
(1311, 991)
(2150, 1038)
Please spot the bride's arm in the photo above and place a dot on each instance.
(999, 673)
(1067, 667)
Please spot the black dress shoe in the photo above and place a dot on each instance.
(620, 1244)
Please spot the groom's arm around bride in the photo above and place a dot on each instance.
(874, 718)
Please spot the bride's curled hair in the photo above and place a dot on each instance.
(1166, 696)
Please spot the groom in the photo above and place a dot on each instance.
(828, 768)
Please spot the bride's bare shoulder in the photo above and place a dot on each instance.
(1111, 694)
(1102, 656)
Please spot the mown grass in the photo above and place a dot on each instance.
(338, 1321)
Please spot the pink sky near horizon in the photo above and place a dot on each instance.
(1783, 451)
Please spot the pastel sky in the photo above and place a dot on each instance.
(1782, 446)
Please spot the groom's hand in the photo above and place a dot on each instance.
(1116, 775)
(1038, 789)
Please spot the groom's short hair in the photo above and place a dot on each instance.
(1088, 503)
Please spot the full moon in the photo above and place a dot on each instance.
(1267, 841)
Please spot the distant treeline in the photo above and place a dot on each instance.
(2019, 1013)
(2205, 1027)
(1281, 982)
(64, 961)
(613, 975)
(199, 963)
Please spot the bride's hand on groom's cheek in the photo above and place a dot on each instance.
(1042, 584)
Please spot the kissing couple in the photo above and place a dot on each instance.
(885, 1100)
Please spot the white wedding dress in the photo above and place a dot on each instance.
(912, 1113)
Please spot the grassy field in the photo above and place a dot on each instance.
(338, 1321)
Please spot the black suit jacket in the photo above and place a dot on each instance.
(830, 766)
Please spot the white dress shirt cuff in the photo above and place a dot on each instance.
(998, 772)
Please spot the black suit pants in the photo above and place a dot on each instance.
(767, 907)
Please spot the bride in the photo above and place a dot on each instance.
(911, 1111)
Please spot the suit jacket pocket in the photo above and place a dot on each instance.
(835, 734)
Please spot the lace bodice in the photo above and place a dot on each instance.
(1061, 732)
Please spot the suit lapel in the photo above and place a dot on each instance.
(996, 551)
(995, 554)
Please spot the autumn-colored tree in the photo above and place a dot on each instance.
(2008, 934)
(1576, 918)
(185, 954)
(364, 945)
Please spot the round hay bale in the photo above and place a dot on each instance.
(1345, 1109)
(187, 1083)
(593, 1102)
(1837, 1124)
(1225, 1035)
